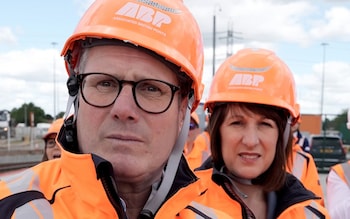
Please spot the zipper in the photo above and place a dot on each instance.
(110, 187)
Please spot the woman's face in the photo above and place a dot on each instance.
(52, 149)
(248, 142)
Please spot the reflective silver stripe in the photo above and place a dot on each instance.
(35, 209)
(24, 181)
(301, 141)
(205, 155)
(346, 169)
(298, 165)
(309, 214)
(206, 210)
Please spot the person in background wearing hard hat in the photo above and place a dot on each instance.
(135, 70)
(195, 151)
(338, 188)
(204, 138)
(251, 104)
(302, 165)
(301, 140)
(51, 149)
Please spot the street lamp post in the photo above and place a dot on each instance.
(322, 87)
(323, 75)
(214, 41)
(214, 34)
(54, 82)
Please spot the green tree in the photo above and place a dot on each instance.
(60, 115)
(22, 114)
(339, 123)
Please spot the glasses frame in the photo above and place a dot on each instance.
(173, 89)
(50, 143)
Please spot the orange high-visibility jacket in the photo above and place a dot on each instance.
(203, 139)
(73, 187)
(292, 201)
(82, 186)
(343, 171)
(304, 168)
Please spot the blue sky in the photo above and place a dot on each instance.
(29, 63)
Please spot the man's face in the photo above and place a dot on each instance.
(137, 143)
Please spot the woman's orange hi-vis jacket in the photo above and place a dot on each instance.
(81, 186)
(303, 167)
(291, 202)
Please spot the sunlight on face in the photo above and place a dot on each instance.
(248, 142)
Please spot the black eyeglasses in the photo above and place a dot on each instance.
(150, 95)
(50, 143)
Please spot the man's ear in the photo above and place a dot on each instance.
(182, 113)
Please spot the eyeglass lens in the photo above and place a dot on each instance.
(50, 143)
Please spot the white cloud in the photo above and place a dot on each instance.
(28, 75)
(7, 35)
(334, 25)
(336, 94)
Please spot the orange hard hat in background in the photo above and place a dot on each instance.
(55, 127)
(254, 76)
(162, 26)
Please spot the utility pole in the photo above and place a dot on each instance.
(54, 82)
(229, 40)
(214, 34)
(323, 75)
(231, 36)
(322, 87)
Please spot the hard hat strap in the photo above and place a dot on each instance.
(286, 132)
(153, 203)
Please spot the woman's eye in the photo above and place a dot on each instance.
(268, 124)
(236, 123)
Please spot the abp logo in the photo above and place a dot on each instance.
(245, 79)
(145, 14)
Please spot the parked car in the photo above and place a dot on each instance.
(327, 151)
(3, 132)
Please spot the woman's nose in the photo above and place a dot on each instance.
(250, 136)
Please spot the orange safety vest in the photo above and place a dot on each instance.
(343, 171)
(288, 206)
(304, 168)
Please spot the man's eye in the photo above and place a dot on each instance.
(105, 84)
